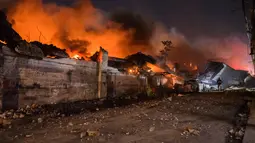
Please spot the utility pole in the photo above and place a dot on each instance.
(248, 7)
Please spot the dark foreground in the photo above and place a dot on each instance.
(194, 118)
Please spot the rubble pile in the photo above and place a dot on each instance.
(51, 50)
(7, 116)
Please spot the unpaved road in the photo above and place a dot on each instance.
(207, 116)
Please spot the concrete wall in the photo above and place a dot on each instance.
(127, 84)
(25, 81)
(47, 81)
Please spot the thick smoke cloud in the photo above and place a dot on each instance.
(83, 28)
(142, 30)
(231, 49)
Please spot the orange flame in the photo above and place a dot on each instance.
(155, 68)
(83, 33)
(76, 57)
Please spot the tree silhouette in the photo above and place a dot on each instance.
(165, 52)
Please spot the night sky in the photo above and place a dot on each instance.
(193, 18)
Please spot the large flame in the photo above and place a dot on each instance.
(154, 68)
(80, 29)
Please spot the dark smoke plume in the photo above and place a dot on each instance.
(75, 45)
(142, 30)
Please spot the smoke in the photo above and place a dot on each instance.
(6, 3)
(82, 28)
(142, 30)
(231, 49)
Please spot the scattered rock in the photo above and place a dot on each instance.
(190, 131)
(152, 129)
(193, 131)
(92, 133)
(170, 98)
(28, 136)
(39, 120)
(15, 116)
(83, 134)
(21, 116)
(6, 122)
(70, 124)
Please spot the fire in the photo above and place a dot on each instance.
(155, 68)
(3, 42)
(83, 33)
(195, 67)
(175, 79)
(133, 70)
(76, 57)
(51, 57)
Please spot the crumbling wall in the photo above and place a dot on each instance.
(47, 81)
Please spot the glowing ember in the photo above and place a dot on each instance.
(133, 70)
(3, 42)
(51, 57)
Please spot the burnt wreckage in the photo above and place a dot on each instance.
(229, 76)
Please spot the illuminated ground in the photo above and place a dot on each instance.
(207, 116)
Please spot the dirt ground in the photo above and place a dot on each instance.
(193, 118)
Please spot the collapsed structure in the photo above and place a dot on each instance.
(229, 76)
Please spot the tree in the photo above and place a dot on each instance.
(165, 52)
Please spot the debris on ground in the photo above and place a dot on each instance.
(170, 98)
(92, 133)
(152, 129)
(28, 136)
(167, 121)
(40, 120)
(70, 124)
(190, 131)
(83, 134)
(4, 122)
